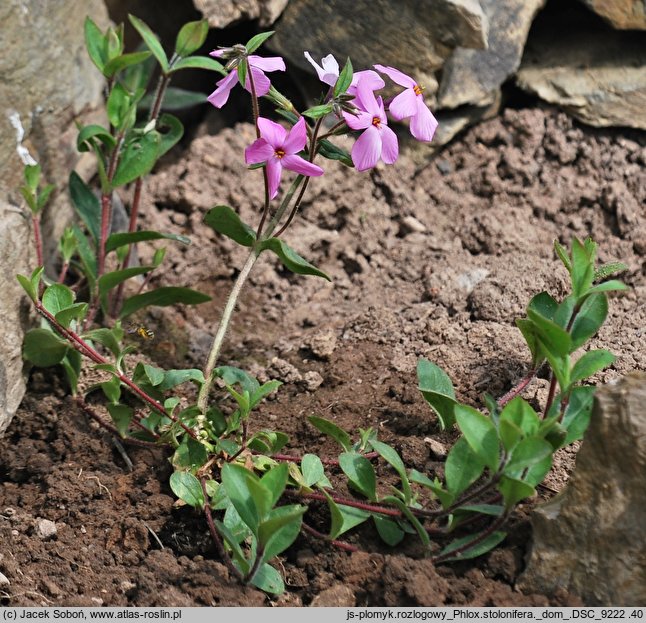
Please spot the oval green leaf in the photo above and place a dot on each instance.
(292, 260)
(226, 221)
(43, 348)
(188, 488)
(162, 297)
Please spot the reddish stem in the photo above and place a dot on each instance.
(517, 390)
(550, 395)
(63, 273)
(372, 508)
(298, 459)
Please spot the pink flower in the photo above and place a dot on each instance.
(278, 148)
(328, 73)
(258, 66)
(410, 103)
(378, 140)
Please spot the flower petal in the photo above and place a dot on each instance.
(423, 124)
(296, 138)
(327, 74)
(404, 105)
(367, 149)
(365, 96)
(220, 96)
(260, 82)
(259, 151)
(274, 171)
(271, 63)
(360, 121)
(399, 77)
(272, 132)
(217, 53)
(372, 78)
(300, 165)
(390, 146)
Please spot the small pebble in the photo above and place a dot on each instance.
(45, 528)
(437, 449)
(4, 580)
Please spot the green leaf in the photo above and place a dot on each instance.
(172, 378)
(316, 112)
(43, 348)
(198, 62)
(115, 241)
(493, 510)
(137, 158)
(564, 312)
(528, 453)
(112, 390)
(343, 518)
(175, 99)
(190, 454)
(145, 373)
(480, 434)
(481, 546)
(312, 469)
(360, 473)
(263, 391)
(588, 321)
(256, 41)
(242, 72)
(280, 529)
(190, 37)
(232, 542)
(106, 337)
(43, 197)
(333, 152)
(226, 221)
(236, 480)
(87, 255)
(437, 389)
(173, 131)
(608, 286)
(390, 455)
(590, 364)
(462, 468)
(31, 284)
(582, 269)
(292, 260)
(275, 481)
(406, 511)
(121, 416)
(445, 498)
(96, 44)
(162, 297)
(231, 375)
(86, 135)
(553, 338)
(121, 62)
(72, 365)
(57, 297)
(344, 80)
(543, 304)
(269, 580)
(604, 271)
(564, 256)
(120, 109)
(388, 530)
(108, 281)
(86, 203)
(520, 412)
(32, 176)
(576, 418)
(73, 312)
(187, 488)
(151, 41)
(332, 430)
(514, 490)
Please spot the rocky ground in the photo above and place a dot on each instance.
(430, 260)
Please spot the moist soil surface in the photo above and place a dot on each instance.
(431, 259)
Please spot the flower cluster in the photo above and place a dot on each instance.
(362, 110)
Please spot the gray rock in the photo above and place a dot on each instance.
(596, 76)
(474, 77)
(622, 14)
(45, 529)
(221, 13)
(403, 33)
(591, 539)
(43, 90)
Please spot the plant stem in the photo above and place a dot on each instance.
(298, 459)
(550, 395)
(517, 390)
(256, 565)
(319, 535)
(35, 219)
(216, 347)
(219, 545)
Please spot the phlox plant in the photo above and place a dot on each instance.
(255, 497)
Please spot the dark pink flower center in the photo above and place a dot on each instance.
(418, 88)
(279, 153)
(376, 121)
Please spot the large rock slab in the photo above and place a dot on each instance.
(390, 32)
(597, 76)
(221, 13)
(474, 77)
(622, 14)
(591, 539)
(47, 81)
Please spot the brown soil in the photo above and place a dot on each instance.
(428, 261)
